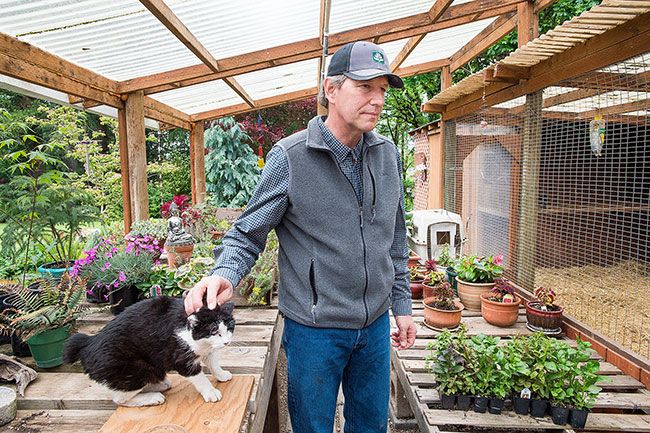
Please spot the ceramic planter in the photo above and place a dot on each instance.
(470, 293)
(442, 319)
(178, 255)
(545, 321)
(578, 418)
(499, 313)
(416, 289)
(559, 415)
(54, 270)
(47, 347)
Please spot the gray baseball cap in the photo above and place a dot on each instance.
(362, 60)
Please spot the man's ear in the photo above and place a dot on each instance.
(227, 308)
(192, 321)
(330, 89)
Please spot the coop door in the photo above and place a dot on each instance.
(486, 199)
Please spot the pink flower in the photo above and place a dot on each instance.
(122, 276)
(498, 260)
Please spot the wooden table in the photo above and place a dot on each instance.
(65, 400)
(623, 405)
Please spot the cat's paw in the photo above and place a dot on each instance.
(223, 376)
(211, 395)
(154, 398)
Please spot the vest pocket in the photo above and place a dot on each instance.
(314, 295)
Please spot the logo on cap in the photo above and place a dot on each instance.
(378, 57)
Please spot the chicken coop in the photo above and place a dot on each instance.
(546, 157)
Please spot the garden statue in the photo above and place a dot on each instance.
(176, 234)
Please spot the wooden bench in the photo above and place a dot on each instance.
(623, 405)
(65, 400)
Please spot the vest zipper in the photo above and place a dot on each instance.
(374, 196)
(314, 294)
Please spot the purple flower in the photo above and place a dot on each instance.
(122, 276)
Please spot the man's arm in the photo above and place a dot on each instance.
(404, 337)
(244, 242)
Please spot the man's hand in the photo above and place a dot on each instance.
(219, 291)
(404, 337)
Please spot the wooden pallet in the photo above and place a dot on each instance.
(623, 405)
(65, 400)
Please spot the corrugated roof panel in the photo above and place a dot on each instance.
(444, 43)
(119, 45)
(200, 97)
(281, 79)
(232, 28)
(349, 14)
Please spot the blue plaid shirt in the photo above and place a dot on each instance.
(270, 200)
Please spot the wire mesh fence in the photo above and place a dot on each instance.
(559, 183)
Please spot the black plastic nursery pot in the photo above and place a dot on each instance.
(480, 404)
(448, 401)
(560, 415)
(495, 406)
(122, 298)
(464, 402)
(578, 418)
(538, 408)
(521, 405)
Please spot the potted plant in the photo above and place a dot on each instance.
(500, 306)
(258, 284)
(542, 314)
(475, 277)
(148, 234)
(162, 281)
(414, 259)
(518, 356)
(539, 352)
(441, 310)
(219, 229)
(447, 262)
(583, 383)
(44, 319)
(417, 276)
(432, 277)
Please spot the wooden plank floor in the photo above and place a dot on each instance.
(622, 406)
(65, 400)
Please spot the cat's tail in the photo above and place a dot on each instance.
(74, 346)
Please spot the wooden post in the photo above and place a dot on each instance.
(436, 191)
(532, 142)
(197, 162)
(527, 22)
(124, 169)
(445, 77)
(137, 154)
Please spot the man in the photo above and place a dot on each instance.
(333, 193)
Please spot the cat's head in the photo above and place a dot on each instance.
(214, 327)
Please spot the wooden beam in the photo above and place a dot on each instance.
(422, 68)
(527, 26)
(137, 155)
(124, 170)
(438, 8)
(261, 103)
(643, 104)
(163, 112)
(433, 108)
(197, 162)
(388, 31)
(445, 77)
(169, 19)
(506, 73)
(484, 40)
(614, 46)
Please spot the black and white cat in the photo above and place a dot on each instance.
(133, 353)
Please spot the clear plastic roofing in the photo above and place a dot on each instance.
(208, 58)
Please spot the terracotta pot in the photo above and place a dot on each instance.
(178, 255)
(414, 260)
(549, 321)
(416, 289)
(217, 234)
(499, 313)
(442, 318)
(470, 293)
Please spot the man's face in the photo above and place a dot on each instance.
(358, 103)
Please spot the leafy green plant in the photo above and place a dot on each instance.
(162, 281)
(261, 278)
(55, 305)
(191, 273)
(230, 166)
(155, 228)
(476, 269)
(444, 258)
(492, 373)
(444, 297)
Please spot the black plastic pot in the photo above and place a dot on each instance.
(538, 408)
(95, 295)
(464, 402)
(448, 401)
(122, 298)
(19, 347)
(480, 404)
(560, 415)
(495, 406)
(521, 405)
(578, 418)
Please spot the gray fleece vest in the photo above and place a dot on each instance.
(334, 259)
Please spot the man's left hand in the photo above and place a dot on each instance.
(404, 337)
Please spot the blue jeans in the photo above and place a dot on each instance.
(320, 359)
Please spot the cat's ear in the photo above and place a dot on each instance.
(192, 321)
(227, 308)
